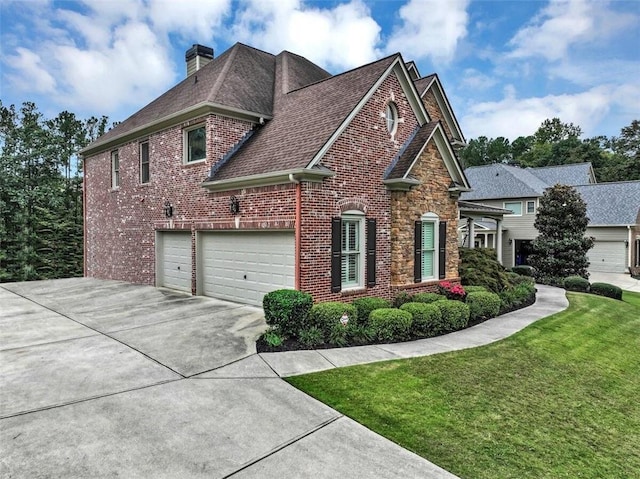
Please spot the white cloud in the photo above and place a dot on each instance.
(564, 23)
(476, 80)
(341, 37)
(512, 117)
(30, 66)
(202, 18)
(430, 29)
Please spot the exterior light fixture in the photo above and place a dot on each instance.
(626, 243)
(510, 240)
(234, 205)
(168, 209)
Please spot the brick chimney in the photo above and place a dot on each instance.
(197, 56)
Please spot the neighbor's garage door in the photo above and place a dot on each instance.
(608, 257)
(173, 260)
(243, 267)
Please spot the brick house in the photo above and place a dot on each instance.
(262, 171)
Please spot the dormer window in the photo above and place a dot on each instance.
(391, 117)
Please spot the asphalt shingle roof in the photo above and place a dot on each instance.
(573, 174)
(615, 203)
(305, 120)
(411, 151)
(502, 181)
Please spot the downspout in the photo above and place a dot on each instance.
(298, 232)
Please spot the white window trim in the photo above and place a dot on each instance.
(115, 172)
(535, 207)
(148, 162)
(393, 118)
(504, 205)
(435, 219)
(185, 144)
(354, 215)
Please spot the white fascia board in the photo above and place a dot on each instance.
(445, 107)
(407, 85)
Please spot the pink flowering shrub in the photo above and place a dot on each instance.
(452, 291)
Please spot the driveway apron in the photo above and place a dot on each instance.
(104, 378)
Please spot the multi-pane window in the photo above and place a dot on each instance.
(115, 169)
(195, 144)
(531, 207)
(144, 162)
(351, 252)
(428, 249)
(514, 206)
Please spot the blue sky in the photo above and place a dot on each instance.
(505, 65)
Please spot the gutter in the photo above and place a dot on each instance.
(272, 178)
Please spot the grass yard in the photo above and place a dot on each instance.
(560, 399)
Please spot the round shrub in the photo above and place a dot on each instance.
(326, 317)
(286, 310)
(401, 298)
(427, 297)
(390, 324)
(606, 289)
(480, 266)
(455, 315)
(524, 270)
(483, 305)
(474, 289)
(427, 319)
(576, 283)
(364, 306)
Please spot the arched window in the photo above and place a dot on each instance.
(391, 117)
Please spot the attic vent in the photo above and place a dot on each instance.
(196, 57)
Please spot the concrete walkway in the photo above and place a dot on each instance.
(105, 379)
(549, 300)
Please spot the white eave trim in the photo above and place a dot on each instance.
(401, 184)
(446, 109)
(407, 85)
(266, 179)
(192, 112)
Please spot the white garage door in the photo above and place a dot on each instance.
(173, 261)
(608, 257)
(243, 267)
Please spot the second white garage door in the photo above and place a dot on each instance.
(243, 267)
(608, 257)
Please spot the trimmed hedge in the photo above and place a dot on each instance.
(455, 315)
(576, 283)
(479, 266)
(524, 270)
(427, 319)
(364, 306)
(326, 317)
(390, 324)
(483, 305)
(475, 289)
(427, 297)
(286, 310)
(606, 289)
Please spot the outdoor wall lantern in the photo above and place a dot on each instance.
(168, 209)
(510, 240)
(234, 205)
(626, 243)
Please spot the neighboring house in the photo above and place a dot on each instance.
(613, 210)
(262, 171)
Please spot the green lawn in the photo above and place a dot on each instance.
(560, 399)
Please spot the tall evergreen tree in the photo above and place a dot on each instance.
(560, 250)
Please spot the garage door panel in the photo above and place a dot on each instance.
(608, 257)
(244, 266)
(173, 262)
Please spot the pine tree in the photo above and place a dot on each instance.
(560, 250)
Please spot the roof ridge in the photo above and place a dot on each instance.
(223, 73)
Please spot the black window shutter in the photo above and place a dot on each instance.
(417, 255)
(371, 252)
(442, 249)
(336, 254)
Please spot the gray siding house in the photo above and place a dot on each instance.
(613, 210)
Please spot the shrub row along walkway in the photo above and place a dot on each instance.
(549, 300)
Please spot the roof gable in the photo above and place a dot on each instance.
(573, 174)
(610, 204)
(432, 83)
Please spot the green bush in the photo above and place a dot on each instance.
(516, 279)
(427, 319)
(517, 296)
(360, 334)
(286, 310)
(326, 317)
(483, 305)
(524, 270)
(480, 267)
(311, 337)
(576, 283)
(272, 338)
(364, 306)
(390, 324)
(401, 298)
(427, 297)
(455, 315)
(474, 289)
(606, 289)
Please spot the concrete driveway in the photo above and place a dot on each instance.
(623, 281)
(103, 379)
